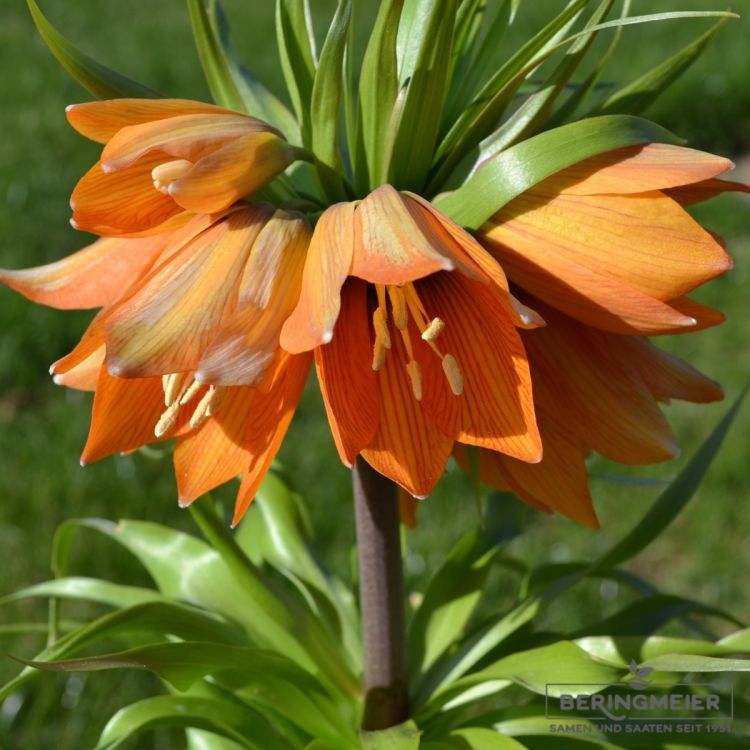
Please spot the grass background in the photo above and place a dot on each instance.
(42, 428)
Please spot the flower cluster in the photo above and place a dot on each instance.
(524, 340)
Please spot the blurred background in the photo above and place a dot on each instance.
(704, 555)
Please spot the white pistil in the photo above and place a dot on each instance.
(453, 374)
(433, 330)
(167, 420)
(165, 174)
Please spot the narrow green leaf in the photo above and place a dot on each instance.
(326, 103)
(522, 166)
(696, 663)
(213, 59)
(641, 93)
(645, 616)
(480, 117)
(669, 504)
(87, 589)
(535, 110)
(97, 79)
(271, 679)
(378, 89)
(403, 737)
(449, 601)
(242, 725)
(297, 58)
(258, 100)
(424, 78)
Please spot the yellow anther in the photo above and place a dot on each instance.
(415, 375)
(433, 330)
(172, 385)
(380, 324)
(378, 355)
(216, 400)
(399, 307)
(453, 374)
(166, 173)
(167, 420)
(190, 393)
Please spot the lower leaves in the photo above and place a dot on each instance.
(258, 646)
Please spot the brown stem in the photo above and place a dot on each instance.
(381, 593)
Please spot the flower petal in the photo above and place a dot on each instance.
(99, 121)
(92, 277)
(271, 415)
(587, 382)
(488, 267)
(635, 169)
(123, 202)
(667, 376)
(237, 169)
(166, 325)
(85, 375)
(496, 408)
(686, 195)
(329, 258)
(348, 383)
(391, 242)
(215, 452)
(246, 344)
(407, 448)
(183, 137)
(124, 415)
(579, 254)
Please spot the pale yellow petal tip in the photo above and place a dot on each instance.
(420, 497)
(57, 379)
(183, 503)
(327, 336)
(108, 168)
(73, 222)
(82, 462)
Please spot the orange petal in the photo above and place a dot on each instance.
(392, 242)
(124, 415)
(183, 137)
(239, 168)
(270, 417)
(667, 376)
(646, 242)
(92, 277)
(407, 448)
(704, 317)
(702, 191)
(246, 344)
(635, 169)
(121, 203)
(559, 481)
(329, 258)
(85, 375)
(407, 508)
(166, 325)
(588, 383)
(489, 268)
(99, 121)
(496, 408)
(91, 342)
(215, 452)
(347, 381)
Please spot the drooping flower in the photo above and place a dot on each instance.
(166, 158)
(186, 342)
(415, 337)
(606, 254)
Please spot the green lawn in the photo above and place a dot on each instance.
(42, 427)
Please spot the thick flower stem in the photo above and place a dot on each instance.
(381, 589)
